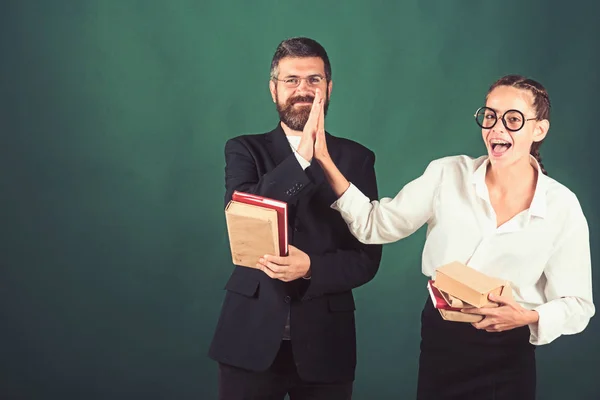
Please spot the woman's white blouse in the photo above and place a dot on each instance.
(544, 252)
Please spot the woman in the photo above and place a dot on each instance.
(502, 215)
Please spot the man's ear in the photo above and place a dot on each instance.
(329, 87)
(273, 90)
(541, 130)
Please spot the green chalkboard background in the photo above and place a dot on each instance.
(113, 119)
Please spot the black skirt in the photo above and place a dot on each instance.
(458, 361)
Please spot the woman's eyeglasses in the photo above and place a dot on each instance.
(513, 120)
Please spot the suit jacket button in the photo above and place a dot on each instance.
(287, 299)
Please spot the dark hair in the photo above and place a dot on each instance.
(541, 103)
(300, 47)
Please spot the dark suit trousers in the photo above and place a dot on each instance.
(280, 379)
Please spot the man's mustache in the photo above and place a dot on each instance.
(302, 99)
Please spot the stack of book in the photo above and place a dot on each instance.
(457, 286)
(256, 226)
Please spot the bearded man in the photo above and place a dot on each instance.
(288, 326)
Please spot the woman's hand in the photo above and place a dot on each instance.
(306, 147)
(509, 315)
(336, 179)
(321, 153)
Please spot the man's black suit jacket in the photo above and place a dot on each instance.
(255, 309)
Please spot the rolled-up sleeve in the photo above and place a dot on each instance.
(568, 289)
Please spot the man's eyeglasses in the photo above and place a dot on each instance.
(513, 120)
(294, 81)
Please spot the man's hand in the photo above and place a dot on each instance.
(291, 267)
(321, 151)
(509, 315)
(307, 142)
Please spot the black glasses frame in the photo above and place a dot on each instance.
(523, 119)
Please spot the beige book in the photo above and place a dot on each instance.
(458, 316)
(467, 284)
(252, 232)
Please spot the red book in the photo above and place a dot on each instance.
(279, 206)
(437, 298)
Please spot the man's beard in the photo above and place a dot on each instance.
(295, 117)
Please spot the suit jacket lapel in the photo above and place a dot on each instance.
(316, 174)
(278, 145)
